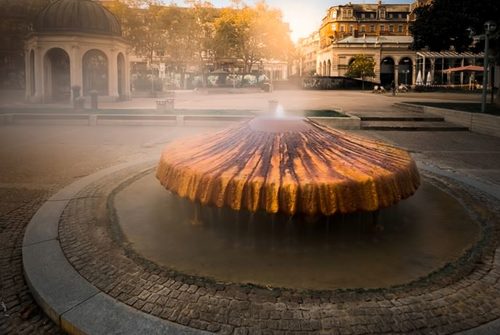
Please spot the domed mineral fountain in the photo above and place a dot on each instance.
(285, 202)
(290, 166)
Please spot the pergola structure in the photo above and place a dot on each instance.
(76, 43)
(432, 66)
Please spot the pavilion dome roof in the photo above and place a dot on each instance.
(77, 16)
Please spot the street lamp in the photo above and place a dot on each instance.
(489, 27)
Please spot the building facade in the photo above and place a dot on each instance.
(378, 30)
(307, 55)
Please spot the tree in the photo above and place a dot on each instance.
(447, 24)
(16, 21)
(251, 34)
(361, 67)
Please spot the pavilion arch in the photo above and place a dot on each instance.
(95, 72)
(324, 68)
(387, 70)
(57, 79)
(329, 68)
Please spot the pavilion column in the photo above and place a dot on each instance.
(75, 68)
(27, 73)
(424, 75)
(126, 76)
(433, 66)
(112, 74)
(39, 76)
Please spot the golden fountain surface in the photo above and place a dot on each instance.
(289, 165)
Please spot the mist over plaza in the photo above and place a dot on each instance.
(249, 167)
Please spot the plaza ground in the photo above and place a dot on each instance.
(38, 160)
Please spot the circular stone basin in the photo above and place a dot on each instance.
(288, 165)
(419, 235)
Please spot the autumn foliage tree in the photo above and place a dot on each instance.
(199, 34)
(251, 34)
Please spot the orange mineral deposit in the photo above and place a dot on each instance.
(288, 165)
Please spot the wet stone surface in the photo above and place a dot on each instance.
(460, 296)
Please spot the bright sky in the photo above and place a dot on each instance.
(304, 16)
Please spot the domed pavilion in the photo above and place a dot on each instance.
(76, 43)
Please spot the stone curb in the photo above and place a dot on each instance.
(350, 122)
(66, 297)
(476, 122)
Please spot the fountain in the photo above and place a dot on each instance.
(286, 202)
(288, 165)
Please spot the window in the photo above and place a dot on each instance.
(382, 28)
(363, 29)
(400, 15)
(372, 15)
(391, 28)
(400, 28)
(372, 28)
(342, 28)
(363, 15)
(351, 28)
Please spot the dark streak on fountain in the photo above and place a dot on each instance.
(288, 165)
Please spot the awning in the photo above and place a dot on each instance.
(449, 54)
(468, 68)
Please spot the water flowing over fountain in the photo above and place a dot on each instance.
(288, 165)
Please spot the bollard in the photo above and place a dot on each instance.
(93, 99)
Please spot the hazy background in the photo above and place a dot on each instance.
(304, 16)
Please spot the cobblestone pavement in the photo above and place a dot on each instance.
(460, 296)
(37, 160)
(19, 314)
